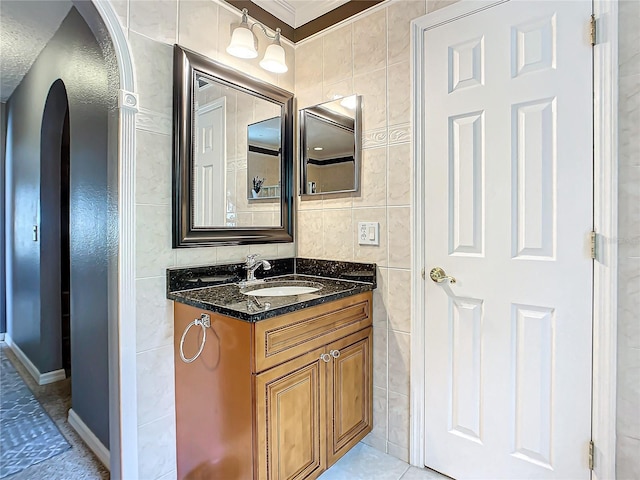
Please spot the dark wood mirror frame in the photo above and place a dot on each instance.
(185, 64)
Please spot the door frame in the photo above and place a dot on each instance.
(605, 270)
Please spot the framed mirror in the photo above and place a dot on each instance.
(330, 147)
(232, 156)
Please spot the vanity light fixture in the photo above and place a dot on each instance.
(244, 44)
(318, 149)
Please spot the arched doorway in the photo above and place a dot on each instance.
(54, 228)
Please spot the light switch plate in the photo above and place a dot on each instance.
(368, 233)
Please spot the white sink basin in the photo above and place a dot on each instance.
(281, 290)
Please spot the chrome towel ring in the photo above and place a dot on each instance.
(205, 322)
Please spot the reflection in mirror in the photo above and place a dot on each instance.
(235, 138)
(330, 146)
(233, 156)
(263, 160)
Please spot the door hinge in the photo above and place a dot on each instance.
(422, 273)
(594, 250)
(592, 30)
(591, 449)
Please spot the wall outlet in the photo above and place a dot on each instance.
(368, 233)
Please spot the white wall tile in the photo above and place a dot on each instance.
(337, 238)
(153, 240)
(399, 93)
(286, 250)
(399, 16)
(399, 237)
(627, 464)
(373, 88)
(193, 257)
(433, 5)
(337, 55)
(380, 335)
(194, 29)
(153, 64)
(157, 448)
(629, 37)
(370, 42)
(155, 19)
(309, 65)
(628, 393)
(233, 254)
(628, 371)
(155, 379)
(154, 313)
(400, 300)
(399, 361)
(629, 119)
(399, 174)
(399, 419)
(373, 186)
(154, 156)
(380, 297)
(310, 233)
(121, 7)
(337, 200)
(379, 413)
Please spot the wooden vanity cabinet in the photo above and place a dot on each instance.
(282, 398)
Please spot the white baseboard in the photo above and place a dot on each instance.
(40, 378)
(89, 438)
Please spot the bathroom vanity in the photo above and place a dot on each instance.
(283, 385)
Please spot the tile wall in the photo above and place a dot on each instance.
(153, 27)
(628, 397)
(370, 56)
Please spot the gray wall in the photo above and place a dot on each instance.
(74, 56)
(3, 132)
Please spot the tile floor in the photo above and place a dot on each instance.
(365, 463)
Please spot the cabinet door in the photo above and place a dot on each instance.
(291, 431)
(349, 398)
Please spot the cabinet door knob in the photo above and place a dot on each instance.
(334, 353)
(325, 357)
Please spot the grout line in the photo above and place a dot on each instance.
(405, 472)
(162, 417)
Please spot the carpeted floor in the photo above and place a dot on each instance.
(76, 463)
(27, 434)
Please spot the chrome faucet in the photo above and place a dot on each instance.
(252, 264)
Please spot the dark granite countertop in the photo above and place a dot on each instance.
(214, 291)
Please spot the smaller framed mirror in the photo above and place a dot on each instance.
(263, 160)
(330, 147)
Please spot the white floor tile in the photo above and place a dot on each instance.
(365, 463)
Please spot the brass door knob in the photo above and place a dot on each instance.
(438, 275)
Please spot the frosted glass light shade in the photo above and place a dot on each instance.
(242, 43)
(273, 60)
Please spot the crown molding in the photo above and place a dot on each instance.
(280, 9)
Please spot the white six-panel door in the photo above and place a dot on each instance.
(209, 164)
(508, 210)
